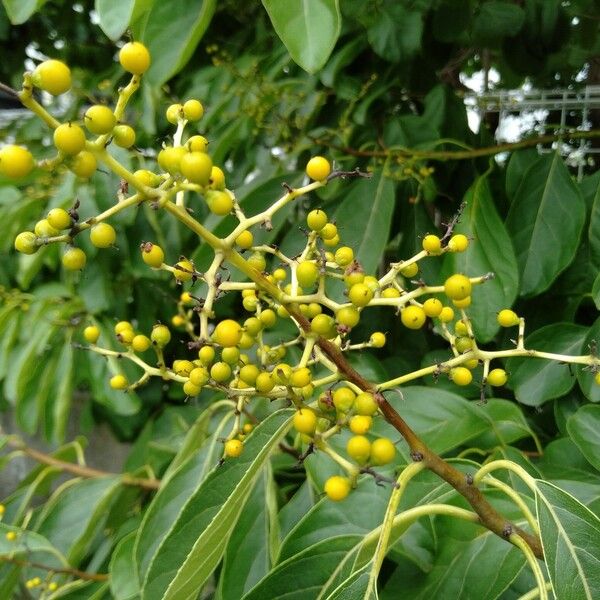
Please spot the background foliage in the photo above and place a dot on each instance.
(350, 80)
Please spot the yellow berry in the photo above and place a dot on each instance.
(508, 318)
(264, 383)
(193, 110)
(198, 143)
(365, 404)
(464, 303)
(233, 448)
(174, 113)
(74, 259)
(413, 317)
(184, 270)
(69, 139)
(344, 256)
(140, 343)
(383, 451)
(390, 292)
(44, 229)
(307, 273)
(316, 219)
(126, 336)
(249, 373)
(160, 335)
(91, 334)
(343, 399)
(348, 316)
(337, 488)
(83, 164)
(15, 161)
(169, 158)
(318, 168)
(230, 355)
(122, 326)
(458, 243)
(301, 377)
(52, 76)
(457, 287)
(134, 58)
(219, 202)
(99, 119)
(59, 218)
(103, 235)
(323, 325)
(11, 536)
(177, 321)
(432, 244)
(217, 178)
(446, 315)
(190, 389)
(206, 354)
(359, 448)
(220, 372)
(461, 376)
(124, 136)
(199, 376)
(360, 424)
(432, 307)
(227, 333)
(245, 240)
(305, 421)
(118, 382)
(497, 377)
(196, 167)
(152, 255)
(26, 243)
(460, 328)
(360, 294)
(328, 231)
(268, 317)
(410, 270)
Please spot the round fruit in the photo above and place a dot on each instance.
(377, 339)
(307, 273)
(316, 219)
(268, 317)
(413, 317)
(206, 354)
(301, 377)
(141, 343)
(446, 315)
(360, 294)
(460, 328)
(360, 424)
(103, 235)
(463, 344)
(390, 292)
(134, 58)
(220, 372)
(126, 336)
(52, 76)
(230, 355)
(249, 373)
(464, 303)
(198, 143)
(74, 259)
(318, 168)
(410, 270)
(432, 244)
(382, 451)
(59, 218)
(347, 316)
(344, 256)
(69, 139)
(199, 376)
(99, 119)
(190, 389)
(196, 167)
(461, 376)
(124, 136)
(305, 421)
(122, 326)
(337, 488)
(233, 448)
(245, 240)
(458, 287)
(118, 382)
(91, 334)
(184, 270)
(508, 318)
(152, 255)
(217, 178)
(458, 243)
(328, 232)
(169, 158)
(44, 229)
(365, 404)
(432, 307)
(264, 383)
(343, 399)
(359, 448)
(219, 202)
(83, 164)
(15, 161)
(323, 325)
(228, 333)
(160, 335)
(193, 110)
(497, 377)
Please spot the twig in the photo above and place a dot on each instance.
(64, 570)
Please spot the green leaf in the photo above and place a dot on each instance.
(584, 430)
(596, 291)
(545, 222)
(396, 32)
(518, 165)
(27, 542)
(63, 391)
(570, 536)
(585, 376)
(367, 211)
(171, 32)
(124, 583)
(490, 251)
(114, 16)
(594, 228)
(196, 541)
(308, 29)
(247, 559)
(309, 569)
(497, 19)
(536, 380)
(19, 11)
(74, 515)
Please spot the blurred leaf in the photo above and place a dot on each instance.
(309, 29)
(585, 375)
(182, 562)
(19, 11)
(584, 429)
(571, 539)
(490, 251)
(115, 17)
(171, 31)
(536, 380)
(545, 222)
(594, 228)
(497, 19)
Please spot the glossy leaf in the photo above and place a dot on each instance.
(490, 251)
(366, 215)
(584, 429)
(591, 191)
(545, 222)
(570, 536)
(308, 28)
(114, 16)
(536, 380)
(171, 31)
(124, 583)
(196, 541)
